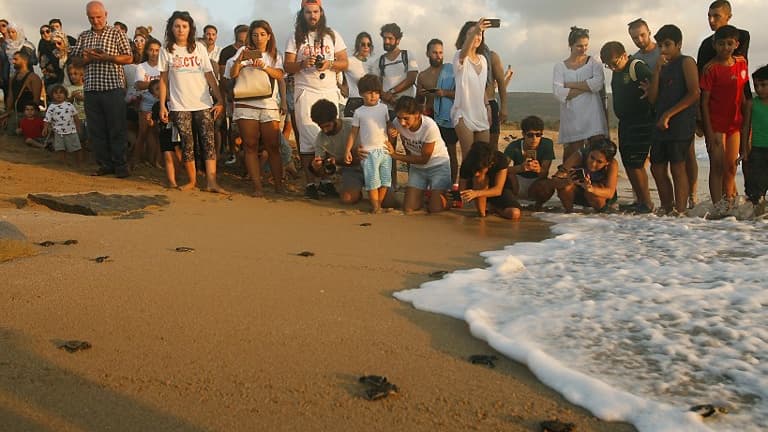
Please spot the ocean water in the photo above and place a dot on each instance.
(634, 318)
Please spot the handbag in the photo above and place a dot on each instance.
(253, 83)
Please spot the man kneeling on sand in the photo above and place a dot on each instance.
(330, 146)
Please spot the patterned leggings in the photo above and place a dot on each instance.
(192, 125)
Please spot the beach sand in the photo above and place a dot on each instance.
(242, 334)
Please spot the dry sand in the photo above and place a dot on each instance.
(243, 334)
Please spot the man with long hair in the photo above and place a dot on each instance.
(314, 53)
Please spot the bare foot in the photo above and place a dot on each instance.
(215, 188)
(377, 211)
(257, 193)
(172, 186)
(187, 187)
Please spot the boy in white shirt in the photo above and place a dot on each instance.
(370, 122)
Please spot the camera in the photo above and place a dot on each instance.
(329, 167)
(319, 61)
(578, 175)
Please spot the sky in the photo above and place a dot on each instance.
(532, 38)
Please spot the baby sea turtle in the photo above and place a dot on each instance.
(708, 410)
(75, 345)
(366, 224)
(557, 426)
(438, 274)
(184, 249)
(306, 254)
(102, 259)
(69, 242)
(378, 387)
(46, 243)
(483, 359)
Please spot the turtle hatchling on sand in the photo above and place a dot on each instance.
(378, 387)
(484, 359)
(557, 426)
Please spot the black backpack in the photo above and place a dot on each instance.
(403, 58)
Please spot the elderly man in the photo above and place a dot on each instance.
(104, 51)
(314, 54)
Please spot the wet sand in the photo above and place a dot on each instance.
(243, 334)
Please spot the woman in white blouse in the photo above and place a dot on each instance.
(358, 66)
(470, 109)
(579, 85)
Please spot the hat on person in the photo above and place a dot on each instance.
(311, 2)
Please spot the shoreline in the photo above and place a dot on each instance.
(242, 333)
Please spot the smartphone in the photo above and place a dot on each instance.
(530, 154)
(493, 22)
(434, 90)
(578, 175)
(251, 54)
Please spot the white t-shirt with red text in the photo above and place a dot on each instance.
(187, 86)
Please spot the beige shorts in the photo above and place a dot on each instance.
(261, 115)
(68, 142)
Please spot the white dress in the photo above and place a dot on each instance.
(469, 103)
(583, 116)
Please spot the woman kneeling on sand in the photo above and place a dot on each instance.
(483, 178)
(427, 156)
(589, 177)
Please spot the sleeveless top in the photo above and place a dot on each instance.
(672, 89)
(24, 98)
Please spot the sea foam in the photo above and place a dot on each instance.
(634, 318)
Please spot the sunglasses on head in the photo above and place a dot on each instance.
(533, 134)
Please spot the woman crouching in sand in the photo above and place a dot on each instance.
(186, 75)
(483, 179)
(589, 177)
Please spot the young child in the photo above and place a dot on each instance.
(146, 142)
(674, 89)
(62, 119)
(76, 73)
(170, 143)
(31, 126)
(722, 97)
(754, 152)
(370, 122)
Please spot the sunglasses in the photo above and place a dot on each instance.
(43, 31)
(366, 44)
(533, 134)
(139, 40)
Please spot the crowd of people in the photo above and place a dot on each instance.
(354, 116)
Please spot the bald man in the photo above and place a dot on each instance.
(104, 50)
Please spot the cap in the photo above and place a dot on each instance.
(311, 2)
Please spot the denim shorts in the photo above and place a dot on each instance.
(437, 177)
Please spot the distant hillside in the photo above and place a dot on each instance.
(544, 105)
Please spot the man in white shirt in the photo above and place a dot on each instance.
(398, 73)
(210, 35)
(314, 54)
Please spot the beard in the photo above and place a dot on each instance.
(435, 63)
(389, 47)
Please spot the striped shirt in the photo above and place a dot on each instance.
(103, 76)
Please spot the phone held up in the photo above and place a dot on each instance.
(493, 22)
(530, 155)
(578, 175)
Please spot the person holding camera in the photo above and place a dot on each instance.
(429, 165)
(483, 179)
(329, 148)
(314, 54)
(104, 51)
(531, 157)
(259, 118)
(589, 177)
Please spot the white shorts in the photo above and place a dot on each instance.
(262, 115)
(307, 129)
(68, 142)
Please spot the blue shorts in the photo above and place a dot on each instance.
(437, 177)
(377, 169)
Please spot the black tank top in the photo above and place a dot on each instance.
(24, 98)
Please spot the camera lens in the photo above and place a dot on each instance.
(329, 167)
